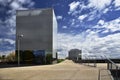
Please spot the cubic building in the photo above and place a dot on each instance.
(36, 30)
(75, 54)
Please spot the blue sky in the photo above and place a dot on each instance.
(90, 25)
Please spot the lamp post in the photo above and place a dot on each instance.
(18, 39)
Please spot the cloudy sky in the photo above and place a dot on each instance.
(90, 25)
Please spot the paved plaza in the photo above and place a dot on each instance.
(66, 70)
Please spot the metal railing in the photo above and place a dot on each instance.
(90, 59)
(112, 67)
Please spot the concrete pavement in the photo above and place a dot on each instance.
(66, 70)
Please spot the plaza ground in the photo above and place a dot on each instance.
(66, 70)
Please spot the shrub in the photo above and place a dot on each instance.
(10, 57)
(60, 60)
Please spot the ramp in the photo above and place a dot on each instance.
(66, 70)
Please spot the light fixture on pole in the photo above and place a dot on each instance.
(18, 39)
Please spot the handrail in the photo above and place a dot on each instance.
(112, 62)
(111, 66)
(105, 57)
(114, 71)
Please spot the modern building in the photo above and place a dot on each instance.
(75, 54)
(36, 30)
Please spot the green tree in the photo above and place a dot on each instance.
(0, 57)
(11, 57)
(16, 55)
(3, 58)
(48, 58)
(27, 56)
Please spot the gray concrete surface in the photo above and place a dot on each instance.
(66, 70)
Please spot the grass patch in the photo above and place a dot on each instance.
(60, 60)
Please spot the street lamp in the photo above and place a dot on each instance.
(18, 39)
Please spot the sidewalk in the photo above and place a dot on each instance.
(66, 70)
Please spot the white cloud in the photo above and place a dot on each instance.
(69, 41)
(95, 7)
(117, 3)
(89, 41)
(99, 4)
(74, 5)
(6, 52)
(108, 45)
(112, 26)
(82, 17)
(64, 27)
(106, 10)
(72, 22)
(6, 48)
(106, 31)
(4, 2)
(61, 55)
(93, 15)
(10, 41)
(59, 17)
(18, 4)
(100, 22)
(15, 5)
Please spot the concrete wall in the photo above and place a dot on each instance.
(37, 28)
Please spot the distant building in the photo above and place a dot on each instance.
(36, 30)
(75, 54)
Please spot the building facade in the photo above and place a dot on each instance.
(36, 30)
(75, 54)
